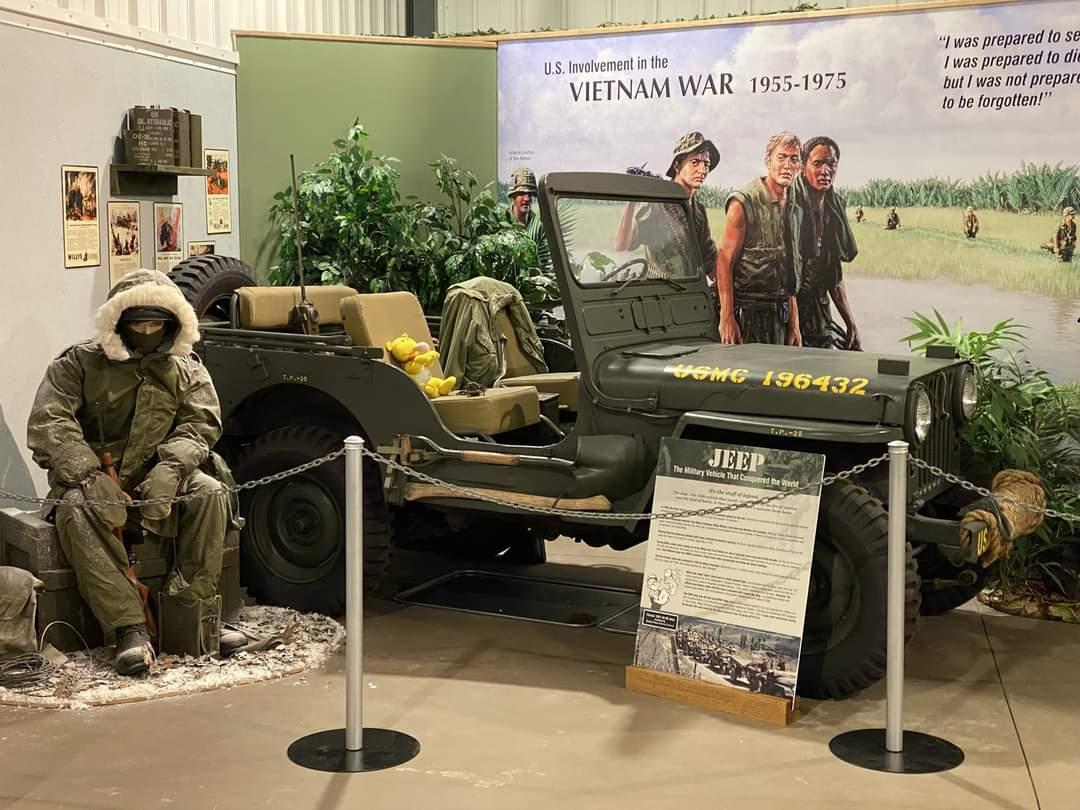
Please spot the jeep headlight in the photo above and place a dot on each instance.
(966, 394)
(920, 414)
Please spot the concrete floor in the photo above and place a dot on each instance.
(524, 715)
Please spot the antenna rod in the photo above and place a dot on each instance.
(296, 225)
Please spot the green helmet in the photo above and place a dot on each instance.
(523, 181)
(690, 143)
(1068, 210)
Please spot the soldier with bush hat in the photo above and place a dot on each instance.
(1063, 242)
(522, 192)
(971, 223)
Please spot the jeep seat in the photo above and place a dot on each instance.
(270, 307)
(374, 319)
(520, 371)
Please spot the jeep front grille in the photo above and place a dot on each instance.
(940, 444)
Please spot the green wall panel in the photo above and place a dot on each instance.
(298, 95)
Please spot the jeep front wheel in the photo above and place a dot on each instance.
(291, 550)
(844, 635)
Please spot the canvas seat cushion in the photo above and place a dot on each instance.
(270, 307)
(496, 410)
(563, 383)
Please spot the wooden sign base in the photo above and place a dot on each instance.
(767, 708)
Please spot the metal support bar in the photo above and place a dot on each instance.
(894, 677)
(354, 593)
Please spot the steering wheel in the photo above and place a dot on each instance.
(610, 274)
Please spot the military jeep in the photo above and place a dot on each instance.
(643, 329)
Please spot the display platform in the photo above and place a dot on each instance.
(549, 601)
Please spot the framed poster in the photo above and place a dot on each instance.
(218, 212)
(199, 248)
(724, 595)
(123, 238)
(168, 235)
(79, 199)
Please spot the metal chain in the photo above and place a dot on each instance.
(986, 493)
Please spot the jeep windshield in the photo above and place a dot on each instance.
(613, 242)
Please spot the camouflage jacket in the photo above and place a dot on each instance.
(97, 396)
(1066, 235)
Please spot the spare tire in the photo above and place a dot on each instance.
(208, 283)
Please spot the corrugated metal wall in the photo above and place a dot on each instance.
(524, 15)
(208, 22)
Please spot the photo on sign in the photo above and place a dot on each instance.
(82, 238)
(199, 248)
(168, 235)
(723, 654)
(124, 244)
(218, 197)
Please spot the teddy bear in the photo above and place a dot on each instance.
(416, 359)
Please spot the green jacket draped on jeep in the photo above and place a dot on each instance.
(469, 344)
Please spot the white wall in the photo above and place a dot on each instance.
(456, 16)
(63, 100)
(209, 22)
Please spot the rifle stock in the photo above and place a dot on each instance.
(141, 589)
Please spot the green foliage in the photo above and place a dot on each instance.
(1030, 189)
(357, 230)
(1023, 421)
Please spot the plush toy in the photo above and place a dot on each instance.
(416, 359)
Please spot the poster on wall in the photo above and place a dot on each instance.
(168, 235)
(123, 238)
(724, 595)
(199, 248)
(218, 212)
(79, 198)
(921, 159)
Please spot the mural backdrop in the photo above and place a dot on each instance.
(929, 112)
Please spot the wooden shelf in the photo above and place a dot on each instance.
(149, 179)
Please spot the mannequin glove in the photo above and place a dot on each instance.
(162, 482)
(100, 487)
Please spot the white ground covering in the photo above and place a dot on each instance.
(87, 679)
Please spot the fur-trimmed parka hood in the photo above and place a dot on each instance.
(145, 288)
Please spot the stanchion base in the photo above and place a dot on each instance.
(922, 753)
(325, 751)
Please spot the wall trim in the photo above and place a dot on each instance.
(36, 16)
(459, 42)
(744, 20)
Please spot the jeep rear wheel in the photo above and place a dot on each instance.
(291, 550)
(208, 283)
(844, 636)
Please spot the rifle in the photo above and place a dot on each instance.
(142, 590)
(304, 317)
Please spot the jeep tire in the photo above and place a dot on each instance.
(291, 549)
(844, 636)
(208, 283)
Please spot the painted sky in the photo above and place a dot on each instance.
(888, 121)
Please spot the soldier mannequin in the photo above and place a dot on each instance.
(694, 157)
(137, 392)
(522, 192)
(892, 222)
(755, 277)
(822, 240)
(971, 223)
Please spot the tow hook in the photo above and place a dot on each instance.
(966, 578)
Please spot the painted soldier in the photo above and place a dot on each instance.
(1063, 242)
(971, 223)
(822, 240)
(522, 193)
(755, 274)
(137, 392)
(892, 221)
(661, 227)
(860, 215)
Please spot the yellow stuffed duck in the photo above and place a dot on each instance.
(416, 359)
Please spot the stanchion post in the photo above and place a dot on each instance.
(354, 749)
(354, 593)
(894, 677)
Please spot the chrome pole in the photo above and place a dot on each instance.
(354, 593)
(894, 676)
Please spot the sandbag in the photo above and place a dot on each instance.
(18, 611)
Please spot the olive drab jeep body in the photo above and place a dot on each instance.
(644, 335)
